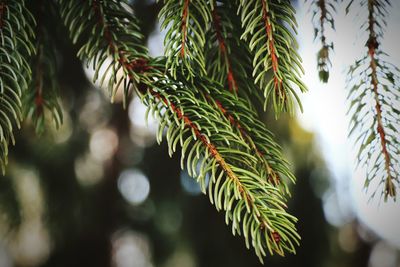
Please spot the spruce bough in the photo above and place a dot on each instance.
(220, 56)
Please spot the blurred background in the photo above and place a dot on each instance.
(101, 192)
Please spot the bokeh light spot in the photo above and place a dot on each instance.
(131, 249)
(103, 144)
(134, 186)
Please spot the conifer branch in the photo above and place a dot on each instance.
(273, 176)
(185, 15)
(119, 51)
(15, 50)
(187, 22)
(372, 45)
(199, 93)
(322, 15)
(225, 45)
(230, 76)
(260, 141)
(375, 99)
(210, 146)
(274, 49)
(228, 57)
(43, 93)
(247, 198)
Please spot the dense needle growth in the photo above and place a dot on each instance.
(220, 56)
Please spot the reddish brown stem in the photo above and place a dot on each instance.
(216, 155)
(185, 13)
(322, 6)
(372, 45)
(272, 50)
(139, 65)
(270, 38)
(232, 84)
(273, 177)
(211, 148)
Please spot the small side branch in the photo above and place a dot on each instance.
(232, 84)
(278, 85)
(273, 177)
(372, 45)
(185, 15)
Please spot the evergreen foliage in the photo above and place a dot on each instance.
(187, 22)
(267, 29)
(229, 60)
(373, 94)
(375, 101)
(323, 12)
(245, 173)
(43, 93)
(16, 36)
(219, 55)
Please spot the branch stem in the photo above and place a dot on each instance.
(185, 14)
(232, 84)
(278, 83)
(372, 45)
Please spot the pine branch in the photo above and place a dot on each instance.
(43, 93)
(221, 68)
(228, 57)
(322, 15)
(243, 120)
(210, 146)
(229, 64)
(187, 22)
(268, 26)
(255, 208)
(374, 101)
(114, 42)
(16, 48)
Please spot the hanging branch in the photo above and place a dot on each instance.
(114, 41)
(228, 57)
(322, 15)
(236, 185)
(43, 93)
(220, 67)
(198, 91)
(16, 36)
(210, 146)
(375, 99)
(229, 63)
(274, 49)
(259, 140)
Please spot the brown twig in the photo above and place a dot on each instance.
(185, 13)
(322, 6)
(273, 177)
(232, 84)
(372, 45)
(278, 83)
(138, 65)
